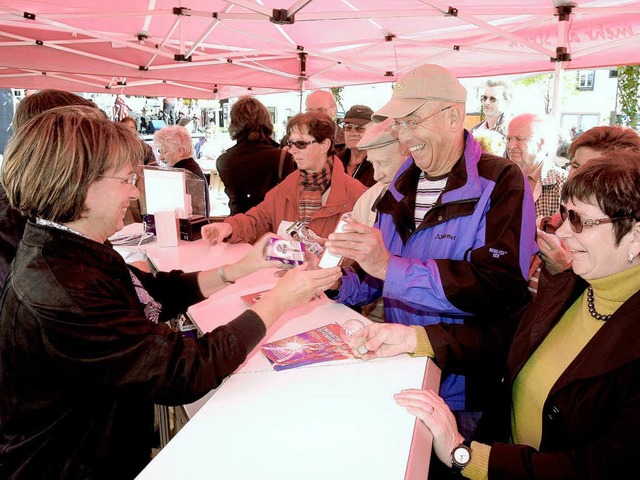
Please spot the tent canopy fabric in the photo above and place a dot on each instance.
(220, 49)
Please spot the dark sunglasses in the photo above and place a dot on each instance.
(353, 126)
(301, 144)
(577, 223)
(484, 98)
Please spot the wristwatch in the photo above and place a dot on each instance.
(460, 457)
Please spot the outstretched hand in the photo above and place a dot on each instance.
(215, 233)
(388, 340)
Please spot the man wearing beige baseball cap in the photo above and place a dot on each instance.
(454, 238)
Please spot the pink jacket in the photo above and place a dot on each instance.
(281, 203)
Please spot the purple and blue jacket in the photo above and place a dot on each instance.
(468, 259)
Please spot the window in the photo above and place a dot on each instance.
(273, 114)
(586, 79)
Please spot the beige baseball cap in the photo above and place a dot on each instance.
(419, 86)
(378, 135)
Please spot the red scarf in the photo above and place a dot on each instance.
(312, 187)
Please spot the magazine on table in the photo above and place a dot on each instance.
(321, 344)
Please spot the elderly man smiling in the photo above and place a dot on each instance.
(454, 239)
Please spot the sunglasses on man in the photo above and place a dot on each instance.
(484, 98)
(577, 223)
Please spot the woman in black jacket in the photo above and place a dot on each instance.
(255, 164)
(84, 352)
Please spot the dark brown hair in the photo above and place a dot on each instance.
(250, 119)
(44, 100)
(319, 125)
(606, 138)
(612, 182)
(55, 157)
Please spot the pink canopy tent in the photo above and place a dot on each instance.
(219, 49)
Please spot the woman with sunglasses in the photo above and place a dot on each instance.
(571, 400)
(318, 193)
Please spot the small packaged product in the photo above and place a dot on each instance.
(329, 259)
(289, 252)
(299, 231)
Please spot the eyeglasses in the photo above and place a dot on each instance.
(484, 98)
(301, 144)
(517, 139)
(133, 179)
(412, 124)
(353, 127)
(577, 223)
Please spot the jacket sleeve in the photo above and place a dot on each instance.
(492, 274)
(248, 227)
(175, 291)
(112, 346)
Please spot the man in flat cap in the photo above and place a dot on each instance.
(353, 158)
(454, 239)
(385, 154)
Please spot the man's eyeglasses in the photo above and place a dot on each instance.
(517, 139)
(353, 127)
(133, 179)
(577, 223)
(412, 124)
(300, 144)
(484, 98)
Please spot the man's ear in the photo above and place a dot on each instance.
(456, 115)
(634, 247)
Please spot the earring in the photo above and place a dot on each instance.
(630, 258)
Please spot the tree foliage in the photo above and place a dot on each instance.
(628, 95)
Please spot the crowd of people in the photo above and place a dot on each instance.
(518, 278)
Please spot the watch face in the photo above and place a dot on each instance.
(461, 455)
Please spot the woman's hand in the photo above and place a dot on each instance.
(438, 418)
(553, 253)
(215, 233)
(388, 340)
(297, 286)
(252, 261)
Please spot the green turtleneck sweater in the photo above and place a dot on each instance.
(561, 346)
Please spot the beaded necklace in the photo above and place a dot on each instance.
(592, 308)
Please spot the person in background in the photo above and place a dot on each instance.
(317, 194)
(205, 147)
(354, 124)
(562, 154)
(526, 148)
(570, 399)
(150, 158)
(12, 222)
(169, 110)
(84, 352)
(176, 151)
(255, 164)
(455, 232)
(323, 101)
(120, 108)
(495, 104)
(386, 154)
(589, 145)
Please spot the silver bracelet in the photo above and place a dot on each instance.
(222, 276)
